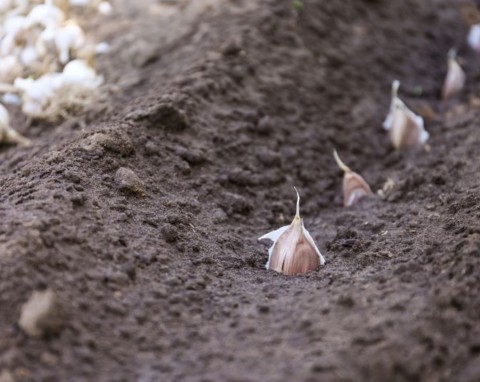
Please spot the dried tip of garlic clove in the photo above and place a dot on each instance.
(354, 186)
(455, 79)
(293, 251)
(387, 124)
(340, 164)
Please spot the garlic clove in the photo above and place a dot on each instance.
(28, 56)
(79, 73)
(473, 38)
(7, 134)
(104, 8)
(293, 251)
(405, 127)
(354, 186)
(455, 79)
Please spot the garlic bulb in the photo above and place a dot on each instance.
(405, 127)
(79, 73)
(7, 134)
(354, 186)
(9, 68)
(293, 251)
(455, 79)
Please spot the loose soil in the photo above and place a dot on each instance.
(220, 108)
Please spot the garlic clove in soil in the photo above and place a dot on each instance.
(455, 79)
(473, 38)
(293, 251)
(7, 134)
(405, 127)
(354, 186)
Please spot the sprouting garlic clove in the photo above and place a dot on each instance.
(473, 38)
(293, 251)
(7, 134)
(455, 79)
(406, 129)
(354, 186)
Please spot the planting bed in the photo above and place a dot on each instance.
(220, 108)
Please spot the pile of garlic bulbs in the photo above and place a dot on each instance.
(46, 59)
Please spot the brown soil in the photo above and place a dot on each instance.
(220, 108)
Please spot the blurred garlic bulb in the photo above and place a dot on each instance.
(7, 134)
(79, 73)
(104, 8)
(405, 127)
(46, 15)
(38, 94)
(10, 68)
(473, 38)
(5, 5)
(67, 38)
(14, 25)
(455, 79)
(8, 46)
(354, 186)
(293, 251)
(53, 93)
(28, 56)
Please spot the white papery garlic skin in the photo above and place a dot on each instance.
(473, 38)
(455, 79)
(405, 127)
(293, 251)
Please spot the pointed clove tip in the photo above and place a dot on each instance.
(297, 215)
(452, 54)
(340, 164)
(395, 87)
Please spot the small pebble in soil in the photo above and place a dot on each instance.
(129, 182)
(42, 314)
(115, 142)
